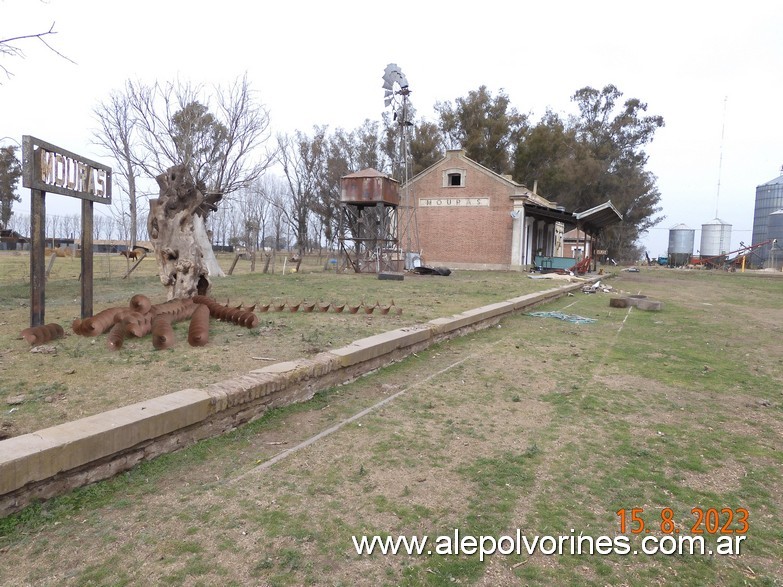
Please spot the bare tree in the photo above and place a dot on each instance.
(10, 47)
(218, 222)
(20, 223)
(200, 146)
(72, 226)
(302, 159)
(116, 137)
(223, 148)
(280, 203)
(253, 210)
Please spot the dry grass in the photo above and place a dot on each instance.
(85, 377)
(539, 425)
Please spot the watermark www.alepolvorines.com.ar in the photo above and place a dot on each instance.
(457, 543)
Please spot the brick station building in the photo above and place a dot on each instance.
(470, 217)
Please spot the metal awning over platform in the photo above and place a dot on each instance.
(599, 217)
(592, 221)
(540, 212)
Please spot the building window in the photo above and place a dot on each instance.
(454, 178)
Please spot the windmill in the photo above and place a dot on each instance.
(396, 97)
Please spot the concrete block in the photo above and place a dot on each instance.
(43, 454)
(371, 347)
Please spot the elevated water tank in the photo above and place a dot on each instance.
(369, 187)
(715, 238)
(681, 240)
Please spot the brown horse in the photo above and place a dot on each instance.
(130, 254)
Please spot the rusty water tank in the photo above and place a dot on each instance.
(368, 188)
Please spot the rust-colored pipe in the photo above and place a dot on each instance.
(218, 311)
(116, 337)
(41, 334)
(185, 311)
(198, 331)
(162, 332)
(76, 326)
(136, 324)
(140, 303)
(235, 314)
(100, 323)
(177, 310)
(248, 320)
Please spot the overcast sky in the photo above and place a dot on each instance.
(713, 71)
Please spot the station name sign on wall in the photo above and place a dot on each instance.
(52, 169)
(453, 202)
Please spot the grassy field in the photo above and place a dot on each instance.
(85, 377)
(538, 425)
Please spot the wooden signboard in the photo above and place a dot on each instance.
(46, 168)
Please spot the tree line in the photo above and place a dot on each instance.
(283, 191)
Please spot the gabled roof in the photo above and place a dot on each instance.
(520, 190)
(369, 172)
(592, 220)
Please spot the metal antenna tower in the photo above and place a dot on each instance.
(720, 160)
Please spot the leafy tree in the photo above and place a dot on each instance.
(366, 149)
(341, 159)
(10, 172)
(487, 127)
(594, 156)
(199, 139)
(426, 146)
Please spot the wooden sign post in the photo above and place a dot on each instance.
(46, 168)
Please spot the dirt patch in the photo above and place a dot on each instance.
(84, 377)
(529, 426)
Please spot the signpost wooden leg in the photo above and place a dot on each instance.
(87, 251)
(37, 257)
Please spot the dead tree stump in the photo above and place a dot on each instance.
(177, 229)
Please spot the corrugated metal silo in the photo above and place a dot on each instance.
(769, 198)
(681, 240)
(715, 238)
(774, 256)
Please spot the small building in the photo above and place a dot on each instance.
(10, 240)
(577, 245)
(113, 245)
(470, 217)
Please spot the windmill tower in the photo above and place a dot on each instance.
(396, 97)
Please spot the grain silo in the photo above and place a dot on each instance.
(681, 240)
(774, 251)
(769, 199)
(715, 240)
